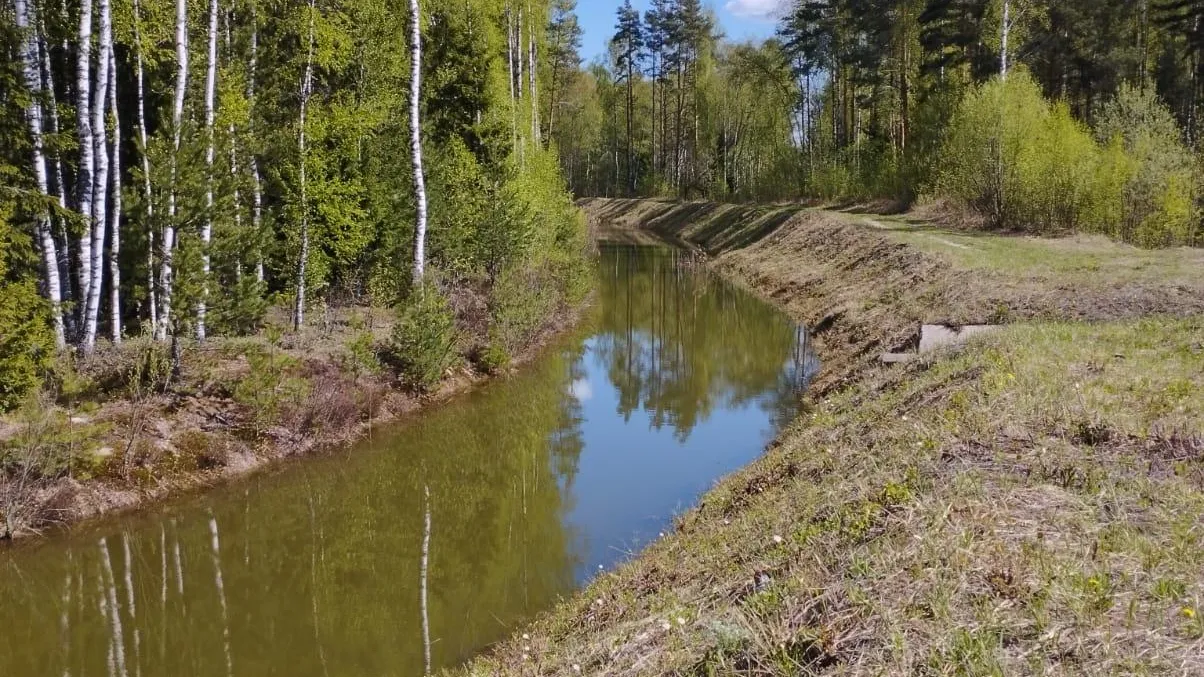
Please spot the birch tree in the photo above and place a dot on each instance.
(168, 241)
(100, 181)
(256, 180)
(152, 304)
(115, 218)
(33, 114)
(207, 227)
(83, 173)
(416, 142)
(303, 257)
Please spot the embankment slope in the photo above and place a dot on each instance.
(1029, 504)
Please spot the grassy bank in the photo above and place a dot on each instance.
(131, 424)
(1029, 504)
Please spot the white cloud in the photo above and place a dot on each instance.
(582, 390)
(756, 9)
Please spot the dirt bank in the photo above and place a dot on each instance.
(134, 434)
(1029, 504)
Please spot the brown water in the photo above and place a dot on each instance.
(520, 492)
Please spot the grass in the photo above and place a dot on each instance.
(1088, 259)
(1032, 503)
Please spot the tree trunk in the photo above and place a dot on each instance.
(256, 181)
(33, 80)
(426, 555)
(115, 219)
(207, 226)
(168, 241)
(510, 49)
(532, 78)
(416, 142)
(100, 182)
(152, 302)
(1006, 29)
(303, 257)
(83, 175)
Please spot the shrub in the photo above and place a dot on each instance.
(1016, 159)
(1149, 174)
(26, 338)
(423, 343)
(271, 388)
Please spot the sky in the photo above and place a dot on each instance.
(738, 19)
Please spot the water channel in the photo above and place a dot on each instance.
(442, 534)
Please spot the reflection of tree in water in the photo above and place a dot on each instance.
(679, 343)
(316, 571)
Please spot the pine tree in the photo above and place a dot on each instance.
(564, 58)
(627, 46)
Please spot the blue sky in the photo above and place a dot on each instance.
(738, 19)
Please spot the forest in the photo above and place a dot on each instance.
(1033, 115)
(197, 169)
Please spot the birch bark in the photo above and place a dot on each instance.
(207, 226)
(115, 219)
(416, 142)
(152, 300)
(83, 125)
(100, 181)
(168, 241)
(33, 80)
(303, 257)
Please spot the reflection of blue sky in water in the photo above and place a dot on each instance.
(634, 476)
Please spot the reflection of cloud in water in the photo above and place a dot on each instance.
(582, 390)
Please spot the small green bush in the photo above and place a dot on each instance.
(272, 387)
(423, 343)
(1148, 175)
(26, 337)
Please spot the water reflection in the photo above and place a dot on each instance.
(417, 549)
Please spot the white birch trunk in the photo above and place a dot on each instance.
(63, 253)
(256, 181)
(232, 134)
(532, 75)
(115, 219)
(416, 142)
(207, 226)
(168, 241)
(303, 256)
(219, 584)
(112, 606)
(33, 80)
(1006, 30)
(100, 182)
(510, 65)
(152, 302)
(83, 122)
(426, 552)
(131, 603)
(52, 111)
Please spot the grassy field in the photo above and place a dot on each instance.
(1030, 504)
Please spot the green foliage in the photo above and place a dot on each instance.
(1150, 176)
(271, 388)
(423, 343)
(27, 339)
(361, 357)
(240, 309)
(1012, 156)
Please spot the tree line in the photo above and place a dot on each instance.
(176, 168)
(965, 100)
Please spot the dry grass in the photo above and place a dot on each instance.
(1032, 504)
